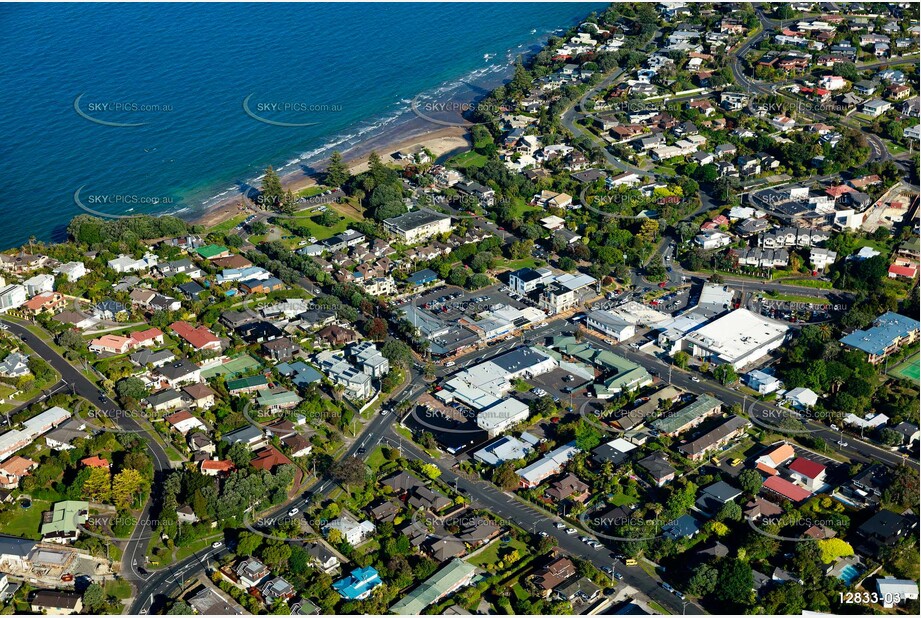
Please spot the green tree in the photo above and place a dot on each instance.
(337, 173)
(271, 187)
(127, 486)
(248, 544)
(94, 598)
(349, 471)
(725, 373)
(750, 480)
(98, 487)
(505, 476)
(734, 584)
(131, 389)
(681, 359)
(703, 581)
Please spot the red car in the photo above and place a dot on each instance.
(663, 284)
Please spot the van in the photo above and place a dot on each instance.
(630, 562)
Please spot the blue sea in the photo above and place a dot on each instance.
(136, 108)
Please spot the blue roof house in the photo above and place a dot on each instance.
(359, 584)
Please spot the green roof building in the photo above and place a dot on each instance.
(689, 416)
(61, 521)
(623, 374)
(210, 252)
(449, 579)
(246, 385)
(278, 399)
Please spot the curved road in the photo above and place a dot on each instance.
(135, 550)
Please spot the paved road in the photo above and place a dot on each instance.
(768, 413)
(135, 550)
(157, 586)
(511, 509)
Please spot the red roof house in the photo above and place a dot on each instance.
(269, 458)
(151, 336)
(199, 337)
(786, 489)
(213, 467)
(909, 272)
(96, 462)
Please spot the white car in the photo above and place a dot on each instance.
(559, 525)
(293, 512)
(217, 545)
(834, 427)
(842, 443)
(570, 531)
(450, 364)
(695, 379)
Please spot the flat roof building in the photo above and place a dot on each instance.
(737, 338)
(418, 225)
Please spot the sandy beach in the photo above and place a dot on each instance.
(439, 141)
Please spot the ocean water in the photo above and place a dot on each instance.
(213, 93)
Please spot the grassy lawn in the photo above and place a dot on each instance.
(522, 263)
(376, 459)
(792, 298)
(882, 247)
(661, 610)
(306, 225)
(225, 226)
(118, 588)
(311, 191)
(622, 499)
(26, 522)
(172, 453)
(489, 557)
(519, 207)
(818, 284)
(467, 159)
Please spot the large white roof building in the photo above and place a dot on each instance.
(739, 338)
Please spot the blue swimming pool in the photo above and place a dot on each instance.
(849, 573)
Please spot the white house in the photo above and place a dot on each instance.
(353, 532)
(713, 240)
(39, 284)
(801, 398)
(811, 474)
(894, 591)
(71, 270)
(763, 382)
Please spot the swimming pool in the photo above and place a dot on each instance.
(849, 573)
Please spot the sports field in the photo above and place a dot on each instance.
(909, 369)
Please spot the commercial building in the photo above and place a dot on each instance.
(610, 324)
(737, 338)
(418, 225)
(526, 280)
(484, 386)
(506, 448)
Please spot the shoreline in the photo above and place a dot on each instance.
(439, 141)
